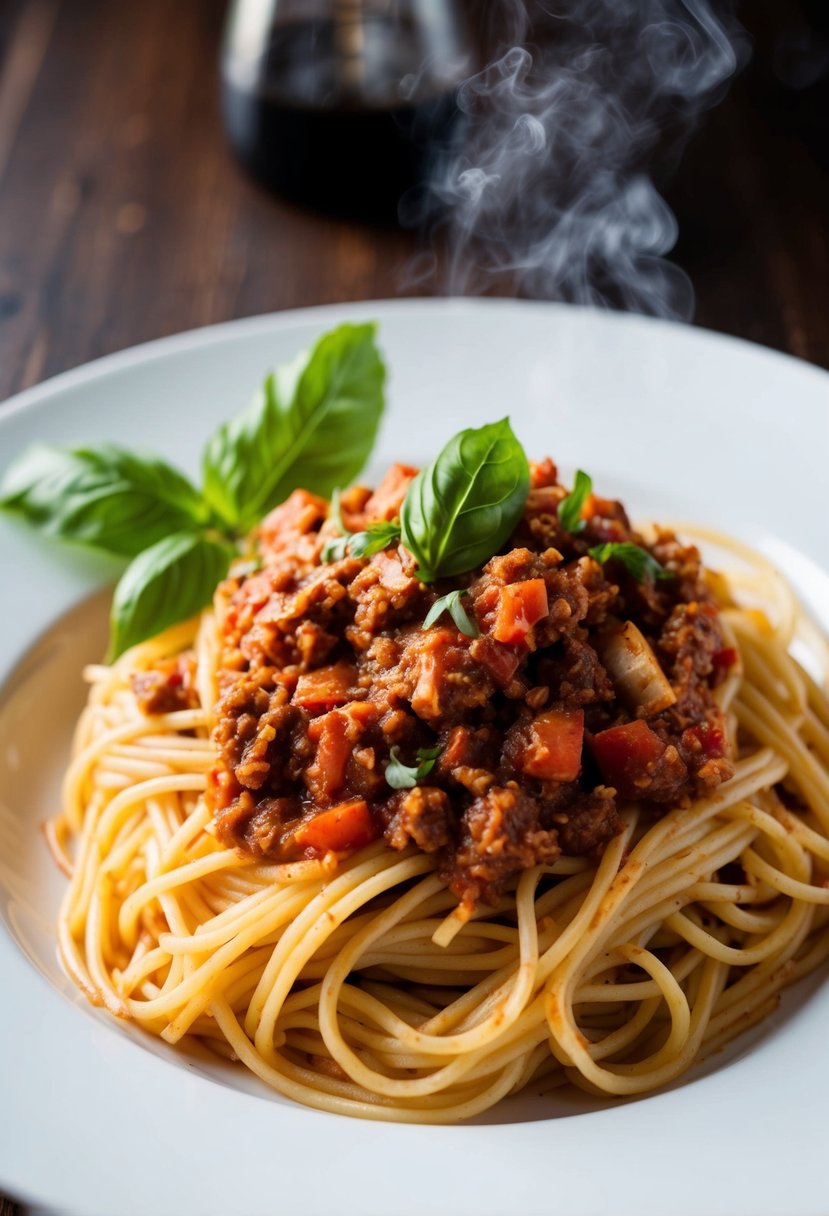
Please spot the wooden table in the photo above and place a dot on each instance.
(123, 215)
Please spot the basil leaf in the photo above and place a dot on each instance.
(359, 544)
(570, 508)
(451, 603)
(169, 582)
(636, 560)
(312, 424)
(402, 776)
(461, 509)
(105, 497)
(336, 549)
(375, 538)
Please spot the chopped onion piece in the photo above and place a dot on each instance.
(635, 671)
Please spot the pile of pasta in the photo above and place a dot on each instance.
(352, 988)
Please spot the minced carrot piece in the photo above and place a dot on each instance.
(342, 828)
(553, 751)
(521, 606)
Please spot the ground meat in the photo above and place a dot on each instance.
(590, 824)
(168, 686)
(575, 670)
(328, 677)
(261, 738)
(422, 815)
(663, 779)
(502, 835)
(381, 592)
(257, 826)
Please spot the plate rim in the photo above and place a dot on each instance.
(221, 331)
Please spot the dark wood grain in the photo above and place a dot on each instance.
(123, 215)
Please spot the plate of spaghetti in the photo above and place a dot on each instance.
(436, 813)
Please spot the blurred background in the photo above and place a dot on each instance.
(173, 163)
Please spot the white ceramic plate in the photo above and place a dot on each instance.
(93, 1118)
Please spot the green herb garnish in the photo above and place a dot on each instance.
(168, 582)
(451, 603)
(364, 544)
(312, 424)
(402, 776)
(117, 501)
(570, 508)
(636, 560)
(334, 550)
(461, 508)
(373, 539)
(458, 511)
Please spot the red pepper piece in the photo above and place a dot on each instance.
(326, 687)
(625, 754)
(554, 746)
(341, 829)
(521, 606)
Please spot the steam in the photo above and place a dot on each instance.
(551, 190)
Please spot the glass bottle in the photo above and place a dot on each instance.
(343, 105)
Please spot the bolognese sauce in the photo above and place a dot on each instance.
(583, 688)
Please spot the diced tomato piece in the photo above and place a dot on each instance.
(387, 499)
(391, 573)
(499, 660)
(609, 521)
(326, 775)
(521, 606)
(435, 661)
(625, 753)
(362, 713)
(722, 660)
(326, 687)
(336, 735)
(711, 740)
(343, 828)
(553, 751)
(458, 749)
(606, 508)
(298, 514)
(543, 473)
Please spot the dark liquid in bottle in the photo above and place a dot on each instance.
(344, 132)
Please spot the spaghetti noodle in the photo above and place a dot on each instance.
(355, 987)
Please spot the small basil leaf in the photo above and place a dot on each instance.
(451, 603)
(636, 560)
(167, 583)
(336, 549)
(312, 424)
(461, 509)
(375, 538)
(428, 758)
(105, 497)
(570, 508)
(402, 776)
